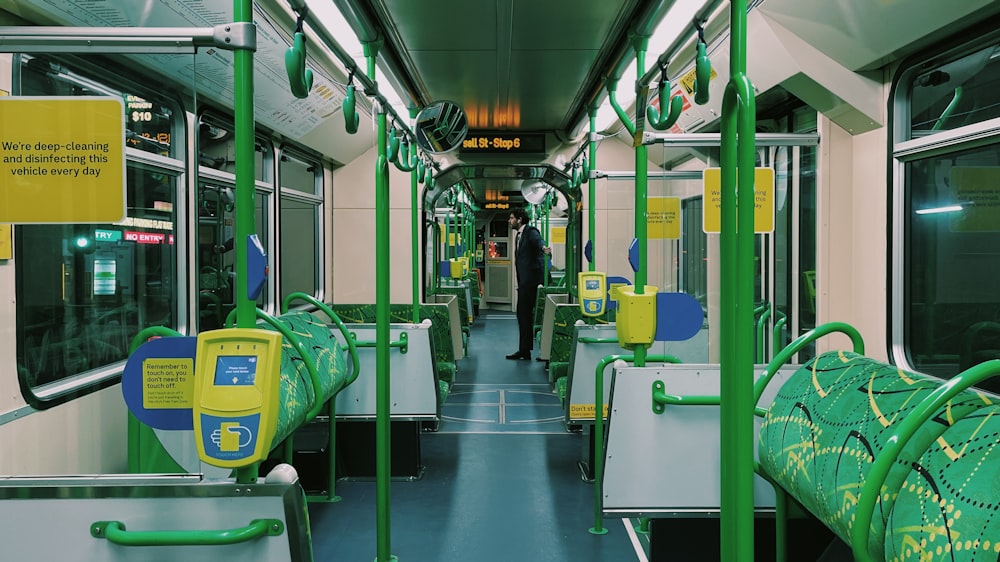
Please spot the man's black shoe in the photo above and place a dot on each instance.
(519, 355)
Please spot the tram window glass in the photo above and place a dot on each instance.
(148, 123)
(951, 259)
(217, 148)
(85, 290)
(299, 208)
(299, 252)
(298, 175)
(694, 256)
(948, 205)
(956, 92)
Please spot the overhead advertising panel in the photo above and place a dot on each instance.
(213, 68)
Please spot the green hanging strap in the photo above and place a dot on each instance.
(393, 147)
(300, 78)
(702, 68)
(672, 105)
(351, 117)
(586, 170)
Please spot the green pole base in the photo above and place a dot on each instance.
(598, 531)
(392, 558)
(642, 527)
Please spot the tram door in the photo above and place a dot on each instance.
(499, 282)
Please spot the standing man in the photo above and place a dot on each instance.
(529, 263)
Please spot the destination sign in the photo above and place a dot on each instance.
(504, 143)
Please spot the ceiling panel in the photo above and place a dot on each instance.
(563, 24)
(445, 25)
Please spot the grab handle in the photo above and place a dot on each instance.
(115, 532)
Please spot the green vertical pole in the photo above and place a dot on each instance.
(592, 191)
(414, 230)
(545, 235)
(382, 334)
(641, 186)
(246, 308)
(736, 299)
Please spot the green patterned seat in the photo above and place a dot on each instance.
(829, 422)
(564, 320)
(296, 390)
(948, 507)
(443, 349)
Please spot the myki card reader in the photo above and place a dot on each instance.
(236, 395)
(593, 286)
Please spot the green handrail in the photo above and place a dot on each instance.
(296, 343)
(114, 531)
(661, 399)
(785, 355)
(325, 309)
(894, 443)
(402, 343)
(598, 528)
(588, 339)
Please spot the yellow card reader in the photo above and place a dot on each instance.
(593, 288)
(236, 395)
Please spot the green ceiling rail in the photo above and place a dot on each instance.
(737, 159)
(300, 78)
(612, 85)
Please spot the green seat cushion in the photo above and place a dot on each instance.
(949, 505)
(829, 422)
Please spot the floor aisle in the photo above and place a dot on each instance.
(501, 482)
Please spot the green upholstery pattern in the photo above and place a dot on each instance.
(296, 392)
(949, 507)
(464, 314)
(828, 423)
(443, 349)
(563, 322)
(543, 293)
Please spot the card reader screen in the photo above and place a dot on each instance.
(235, 370)
(592, 285)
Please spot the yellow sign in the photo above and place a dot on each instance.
(585, 411)
(976, 198)
(62, 160)
(663, 218)
(557, 235)
(687, 81)
(6, 242)
(168, 383)
(763, 213)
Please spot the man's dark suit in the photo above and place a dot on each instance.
(530, 267)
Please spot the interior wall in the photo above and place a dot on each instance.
(353, 225)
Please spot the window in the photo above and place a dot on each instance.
(85, 290)
(301, 236)
(946, 306)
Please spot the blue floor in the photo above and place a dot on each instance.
(500, 482)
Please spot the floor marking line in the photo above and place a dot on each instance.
(640, 552)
